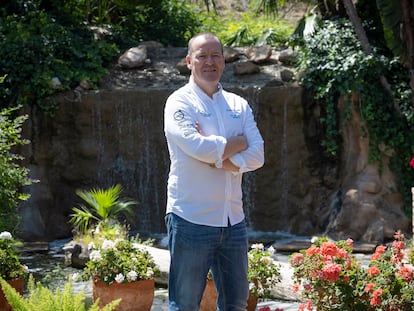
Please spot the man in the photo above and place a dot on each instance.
(212, 140)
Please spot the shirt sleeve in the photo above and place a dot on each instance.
(179, 125)
(253, 157)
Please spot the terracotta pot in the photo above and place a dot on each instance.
(252, 303)
(136, 296)
(209, 299)
(18, 285)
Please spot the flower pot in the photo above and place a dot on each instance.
(252, 303)
(18, 285)
(209, 299)
(136, 296)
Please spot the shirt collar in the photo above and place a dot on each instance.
(199, 91)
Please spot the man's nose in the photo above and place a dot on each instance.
(209, 59)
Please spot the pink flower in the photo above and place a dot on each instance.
(405, 273)
(369, 287)
(373, 270)
(313, 250)
(331, 272)
(305, 306)
(412, 162)
(329, 249)
(297, 259)
(295, 288)
(376, 297)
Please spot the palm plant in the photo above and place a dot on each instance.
(104, 206)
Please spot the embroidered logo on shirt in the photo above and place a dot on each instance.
(178, 115)
(235, 114)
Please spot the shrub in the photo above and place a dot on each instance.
(12, 175)
(331, 278)
(41, 298)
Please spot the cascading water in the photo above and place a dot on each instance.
(283, 207)
(249, 178)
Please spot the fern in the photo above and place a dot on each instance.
(42, 299)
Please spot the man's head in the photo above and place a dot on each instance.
(205, 59)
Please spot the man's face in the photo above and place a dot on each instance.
(206, 61)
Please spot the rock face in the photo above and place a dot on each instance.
(115, 135)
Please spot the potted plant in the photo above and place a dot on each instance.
(95, 219)
(102, 211)
(11, 270)
(263, 273)
(122, 269)
(330, 277)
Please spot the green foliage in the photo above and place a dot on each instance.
(12, 175)
(103, 208)
(42, 299)
(41, 42)
(10, 266)
(392, 17)
(35, 48)
(334, 65)
(249, 30)
(121, 260)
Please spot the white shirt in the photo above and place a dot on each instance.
(196, 191)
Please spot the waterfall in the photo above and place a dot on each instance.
(249, 178)
(284, 167)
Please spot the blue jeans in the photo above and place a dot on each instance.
(194, 250)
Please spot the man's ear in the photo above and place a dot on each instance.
(188, 61)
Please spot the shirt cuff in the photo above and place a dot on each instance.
(221, 144)
(238, 160)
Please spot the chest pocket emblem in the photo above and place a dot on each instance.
(235, 114)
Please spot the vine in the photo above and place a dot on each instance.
(335, 65)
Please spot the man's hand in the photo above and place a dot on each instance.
(234, 145)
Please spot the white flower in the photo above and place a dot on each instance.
(251, 286)
(5, 235)
(91, 246)
(134, 259)
(95, 255)
(150, 272)
(258, 246)
(132, 276)
(271, 250)
(108, 244)
(75, 276)
(119, 278)
(267, 260)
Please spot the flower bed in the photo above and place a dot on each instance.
(330, 278)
